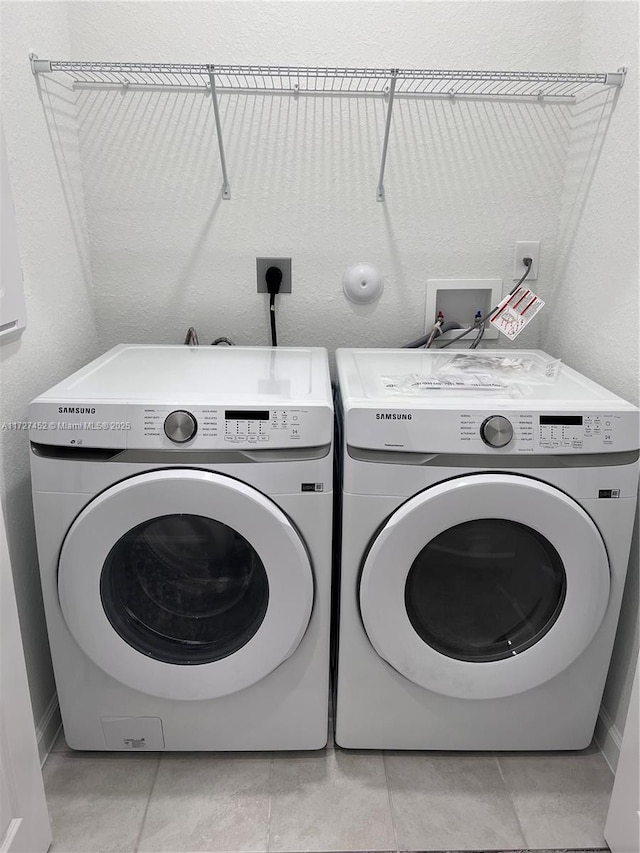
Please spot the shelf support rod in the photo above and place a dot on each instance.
(385, 144)
(226, 188)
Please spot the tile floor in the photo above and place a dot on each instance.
(333, 800)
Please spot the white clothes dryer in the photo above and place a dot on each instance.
(488, 508)
(183, 507)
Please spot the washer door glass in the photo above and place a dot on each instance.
(185, 584)
(485, 590)
(184, 589)
(485, 585)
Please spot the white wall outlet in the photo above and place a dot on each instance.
(531, 250)
(459, 299)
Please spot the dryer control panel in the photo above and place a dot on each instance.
(578, 431)
(492, 431)
(560, 433)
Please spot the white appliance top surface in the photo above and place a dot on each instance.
(403, 378)
(206, 374)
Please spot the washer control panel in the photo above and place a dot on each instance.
(251, 426)
(228, 429)
(180, 426)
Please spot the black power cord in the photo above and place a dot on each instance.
(273, 277)
(480, 322)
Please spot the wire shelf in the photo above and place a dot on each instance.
(351, 81)
(387, 83)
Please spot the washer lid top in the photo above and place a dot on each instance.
(196, 375)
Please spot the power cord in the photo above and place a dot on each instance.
(480, 323)
(273, 277)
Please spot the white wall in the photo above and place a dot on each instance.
(60, 335)
(464, 180)
(593, 318)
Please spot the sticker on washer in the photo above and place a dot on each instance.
(515, 312)
(417, 383)
(312, 487)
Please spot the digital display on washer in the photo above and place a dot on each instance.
(561, 420)
(246, 415)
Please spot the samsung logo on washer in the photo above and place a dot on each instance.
(76, 410)
(392, 416)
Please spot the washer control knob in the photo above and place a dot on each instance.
(496, 431)
(180, 426)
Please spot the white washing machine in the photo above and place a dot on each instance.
(183, 505)
(488, 507)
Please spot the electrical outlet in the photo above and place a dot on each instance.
(263, 264)
(526, 250)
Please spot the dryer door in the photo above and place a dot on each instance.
(185, 584)
(484, 586)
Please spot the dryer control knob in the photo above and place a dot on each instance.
(496, 431)
(180, 426)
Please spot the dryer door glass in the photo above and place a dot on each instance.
(485, 590)
(184, 589)
(484, 585)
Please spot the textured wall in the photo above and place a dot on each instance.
(464, 180)
(592, 321)
(60, 335)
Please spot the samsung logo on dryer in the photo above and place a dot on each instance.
(392, 416)
(76, 410)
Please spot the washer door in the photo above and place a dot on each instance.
(484, 586)
(185, 584)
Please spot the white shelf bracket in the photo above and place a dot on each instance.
(385, 144)
(618, 78)
(39, 66)
(226, 187)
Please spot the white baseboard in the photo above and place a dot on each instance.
(48, 728)
(608, 739)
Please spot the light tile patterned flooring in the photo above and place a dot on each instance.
(333, 800)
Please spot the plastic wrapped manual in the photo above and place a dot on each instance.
(504, 374)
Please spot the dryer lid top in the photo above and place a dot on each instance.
(454, 379)
(225, 375)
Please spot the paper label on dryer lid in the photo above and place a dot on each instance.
(515, 312)
(416, 383)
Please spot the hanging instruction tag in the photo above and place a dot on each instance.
(515, 312)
